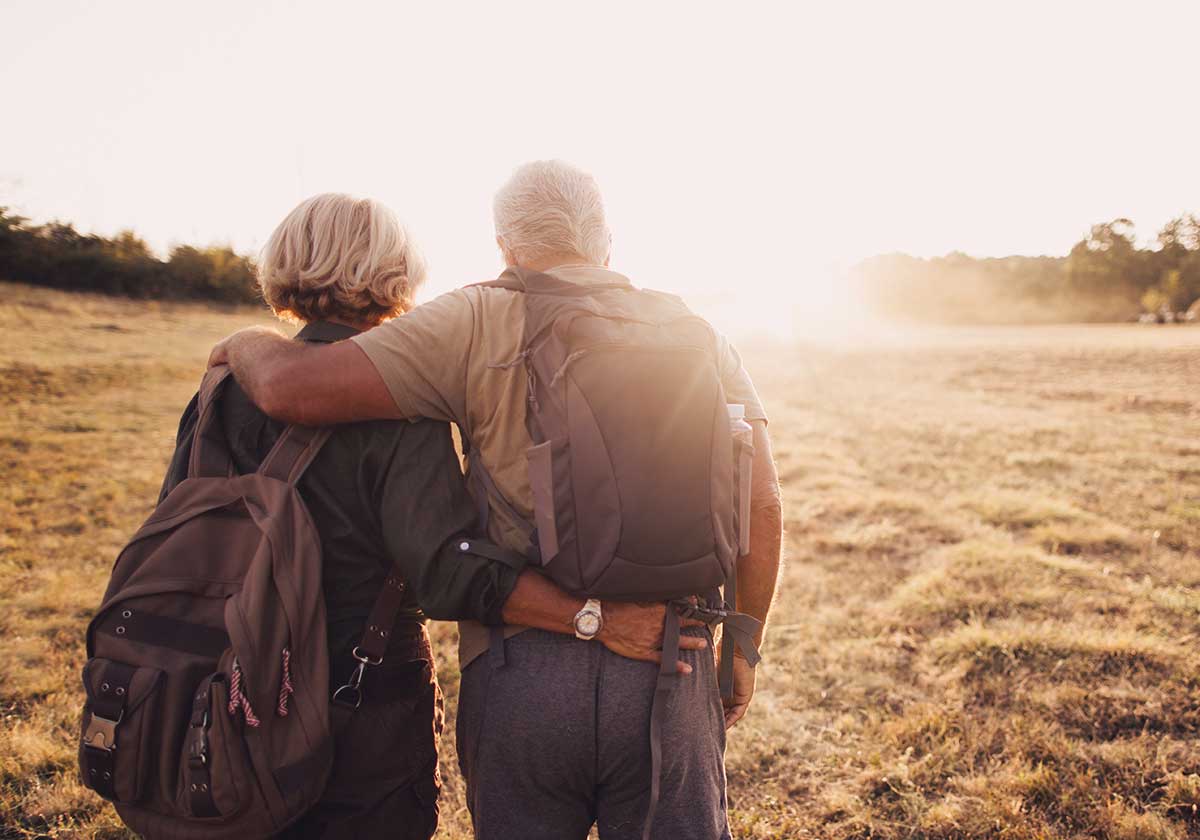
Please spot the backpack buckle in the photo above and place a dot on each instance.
(101, 733)
(687, 608)
(198, 750)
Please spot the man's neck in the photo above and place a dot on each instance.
(552, 261)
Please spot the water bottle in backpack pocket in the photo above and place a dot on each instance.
(743, 459)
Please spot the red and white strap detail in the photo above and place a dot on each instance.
(285, 685)
(238, 701)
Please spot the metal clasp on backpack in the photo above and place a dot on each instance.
(351, 694)
(198, 750)
(101, 732)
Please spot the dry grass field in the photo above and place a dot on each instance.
(989, 624)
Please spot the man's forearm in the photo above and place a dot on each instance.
(308, 384)
(758, 571)
(536, 602)
(632, 630)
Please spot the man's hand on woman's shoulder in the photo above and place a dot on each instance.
(221, 354)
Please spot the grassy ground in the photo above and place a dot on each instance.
(989, 621)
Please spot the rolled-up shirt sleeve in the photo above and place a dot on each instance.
(422, 356)
(424, 511)
(739, 389)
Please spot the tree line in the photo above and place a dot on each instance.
(1105, 277)
(57, 255)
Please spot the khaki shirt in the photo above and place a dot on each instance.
(449, 360)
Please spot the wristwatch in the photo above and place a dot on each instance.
(588, 620)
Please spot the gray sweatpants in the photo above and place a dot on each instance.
(558, 738)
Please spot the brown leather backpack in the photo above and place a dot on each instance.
(207, 680)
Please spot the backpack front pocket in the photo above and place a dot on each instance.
(215, 773)
(118, 745)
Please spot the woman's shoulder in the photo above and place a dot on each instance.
(400, 433)
(385, 441)
(379, 451)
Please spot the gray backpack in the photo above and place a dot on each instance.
(207, 679)
(641, 491)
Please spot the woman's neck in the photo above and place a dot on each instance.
(361, 326)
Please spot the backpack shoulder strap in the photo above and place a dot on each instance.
(210, 452)
(294, 452)
(287, 460)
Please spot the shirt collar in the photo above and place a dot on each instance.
(588, 274)
(325, 332)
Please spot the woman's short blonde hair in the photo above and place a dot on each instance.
(337, 256)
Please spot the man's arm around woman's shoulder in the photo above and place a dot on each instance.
(307, 384)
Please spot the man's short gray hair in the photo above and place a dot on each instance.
(550, 208)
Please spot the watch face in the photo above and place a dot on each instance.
(587, 624)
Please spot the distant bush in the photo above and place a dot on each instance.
(59, 256)
(1106, 277)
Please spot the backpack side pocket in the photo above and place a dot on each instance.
(118, 745)
(553, 509)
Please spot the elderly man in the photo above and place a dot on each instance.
(557, 738)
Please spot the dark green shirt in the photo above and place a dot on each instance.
(379, 492)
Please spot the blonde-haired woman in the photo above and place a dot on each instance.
(382, 494)
(342, 259)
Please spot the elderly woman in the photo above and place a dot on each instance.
(379, 492)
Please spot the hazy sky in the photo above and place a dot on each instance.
(744, 145)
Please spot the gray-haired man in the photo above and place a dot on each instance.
(556, 739)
